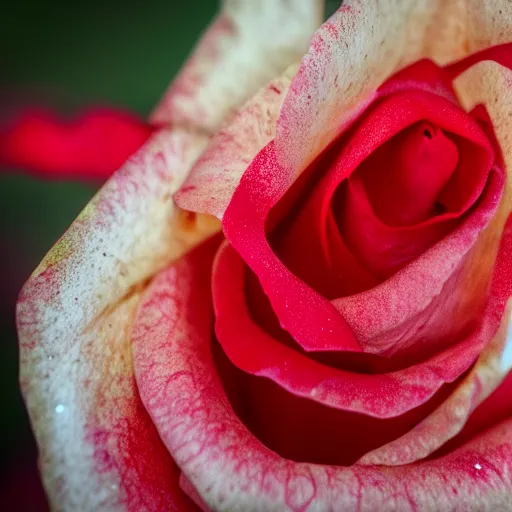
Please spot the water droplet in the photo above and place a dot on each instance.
(59, 408)
(478, 467)
(506, 356)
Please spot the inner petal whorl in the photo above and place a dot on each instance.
(404, 182)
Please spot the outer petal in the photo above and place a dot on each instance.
(249, 43)
(99, 449)
(217, 173)
(361, 46)
(231, 470)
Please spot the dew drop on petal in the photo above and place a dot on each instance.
(506, 357)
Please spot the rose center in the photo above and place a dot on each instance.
(405, 178)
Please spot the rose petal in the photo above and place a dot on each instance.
(134, 223)
(408, 314)
(449, 418)
(492, 411)
(405, 296)
(323, 100)
(250, 43)
(502, 54)
(216, 174)
(230, 469)
(381, 395)
(424, 75)
(489, 370)
(459, 29)
(490, 84)
(90, 147)
(378, 247)
(312, 320)
(277, 416)
(304, 313)
(98, 448)
(319, 62)
(361, 46)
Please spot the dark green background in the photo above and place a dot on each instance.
(71, 54)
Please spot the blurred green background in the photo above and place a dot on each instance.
(70, 55)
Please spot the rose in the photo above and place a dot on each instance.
(342, 343)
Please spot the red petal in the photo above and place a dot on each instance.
(404, 185)
(92, 146)
(419, 310)
(502, 54)
(423, 75)
(309, 318)
(389, 117)
(254, 351)
(230, 468)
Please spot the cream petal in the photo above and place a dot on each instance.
(250, 43)
(361, 46)
(75, 312)
(74, 318)
(212, 180)
(350, 56)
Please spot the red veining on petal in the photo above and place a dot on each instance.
(74, 319)
(131, 448)
(185, 398)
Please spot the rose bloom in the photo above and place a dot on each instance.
(295, 295)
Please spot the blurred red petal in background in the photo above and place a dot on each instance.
(91, 146)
